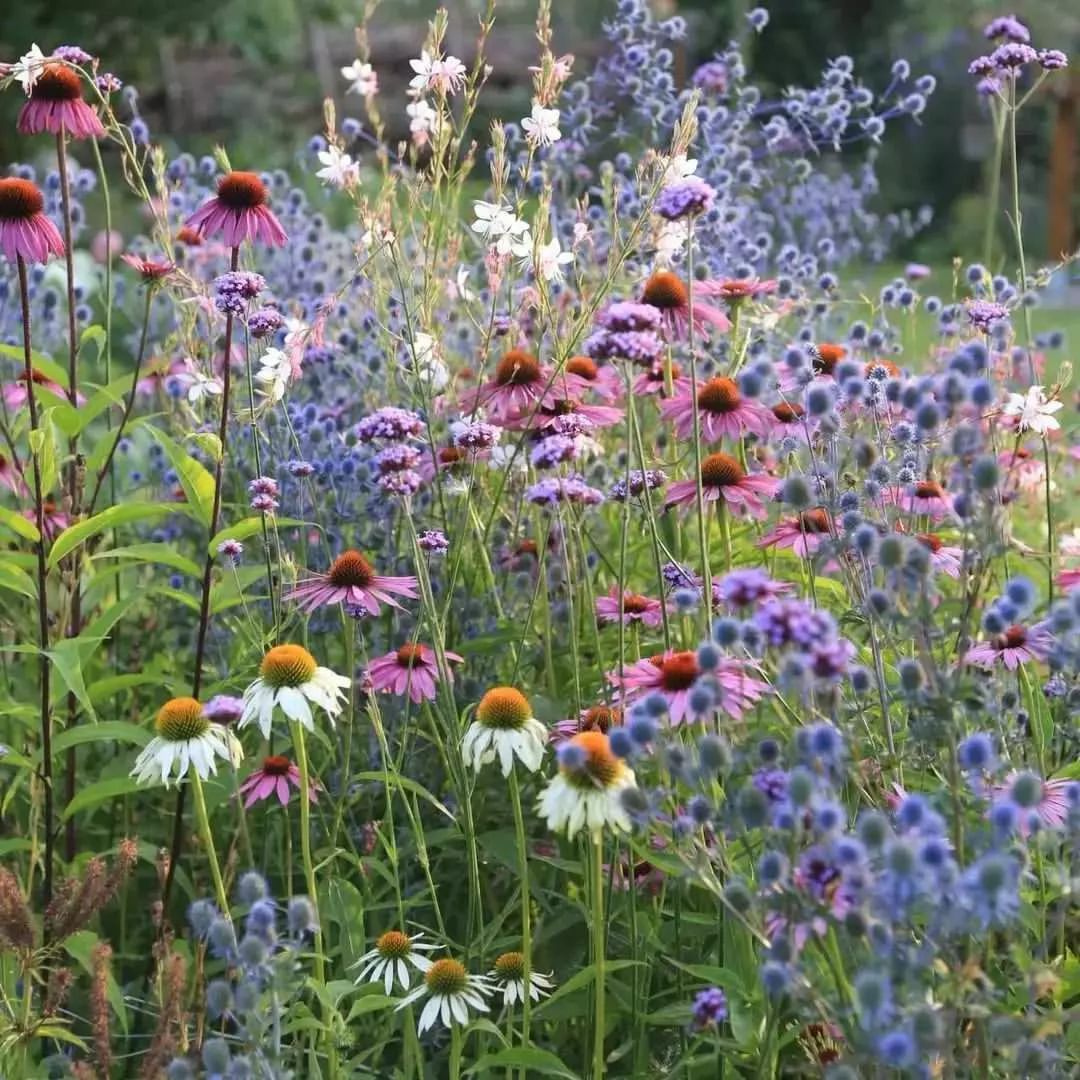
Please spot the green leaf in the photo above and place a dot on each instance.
(16, 579)
(541, 1062)
(19, 525)
(248, 527)
(40, 362)
(163, 554)
(407, 785)
(582, 979)
(92, 337)
(67, 660)
(197, 482)
(80, 946)
(100, 792)
(369, 1004)
(46, 452)
(113, 518)
(72, 420)
(105, 688)
(103, 731)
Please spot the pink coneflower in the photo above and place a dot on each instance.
(943, 557)
(666, 292)
(410, 669)
(56, 105)
(1053, 805)
(239, 212)
(447, 459)
(25, 231)
(652, 381)
(159, 372)
(600, 718)
(924, 497)
(804, 533)
(550, 415)
(277, 776)
(1068, 578)
(602, 380)
(352, 580)
(150, 270)
(636, 608)
(825, 356)
(789, 421)
(1014, 647)
(722, 411)
(672, 675)
(722, 477)
(519, 384)
(9, 476)
(735, 290)
(15, 393)
(55, 520)
(1022, 470)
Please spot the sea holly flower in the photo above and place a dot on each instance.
(239, 212)
(451, 991)
(290, 678)
(508, 975)
(185, 739)
(503, 726)
(1033, 411)
(56, 106)
(351, 579)
(276, 776)
(587, 792)
(410, 669)
(724, 479)
(25, 231)
(389, 961)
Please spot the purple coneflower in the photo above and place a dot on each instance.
(667, 293)
(239, 212)
(56, 105)
(635, 608)
(351, 579)
(600, 718)
(277, 776)
(1049, 799)
(924, 497)
(1015, 646)
(944, 558)
(804, 533)
(723, 478)
(723, 412)
(520, 383)
(150, 270)
(25, 231)
(410, 669)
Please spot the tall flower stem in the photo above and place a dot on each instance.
(994, 196)
(203, 819)
(42, 593)
(526, 905)
(208, 571)
(348, 625)
(599, 947)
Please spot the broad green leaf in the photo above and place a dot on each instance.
(369, 1004)
(80, 946)
(408, 785)
(71, 420)
(93, 337)
(16, 579)
(113, 518)
(60, 1033)
(67, 661)
(582, 979)
(103, 731)
(19, 525)
(100, 792)
(105, 688)
(248, 527)
(164, 554)
(197, 482)
(46, 452)
(534, 1060)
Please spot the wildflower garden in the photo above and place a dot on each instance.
(506, 603)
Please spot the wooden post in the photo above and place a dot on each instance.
(1061, 234)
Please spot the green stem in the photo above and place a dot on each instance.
(526, 904)
(208, 842)
(598, 954)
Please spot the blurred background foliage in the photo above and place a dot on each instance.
(250, 74)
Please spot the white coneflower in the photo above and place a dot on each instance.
(587, 792)
(290, 677)
(451, 991)
(185, 739)
(509, 976)
(503, 726)
(390, 960)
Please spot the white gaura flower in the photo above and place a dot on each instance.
(548, 262)
(542, 126)
(339, 170)
(677, 167)
(275, 373)
(508, 975)
(362, 78)
(185, 738)
(505, 232)
(451, 992)
(1034, 411)
(27, 69)
(422, 120)
(442, 74)
(504, 727)
(428, 363)
(203, 386)
(461, 284)
(670, 241)
(391, 958)
(587, 792)
(290, 678)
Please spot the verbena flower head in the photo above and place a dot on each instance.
(451, 992)
(351, 579)
(56, 106)
(291, 679)
(239, 212)
(184, 738)
(684, 198)
(391, 958)
(25, 232)
(588, 790)
(504, 727)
